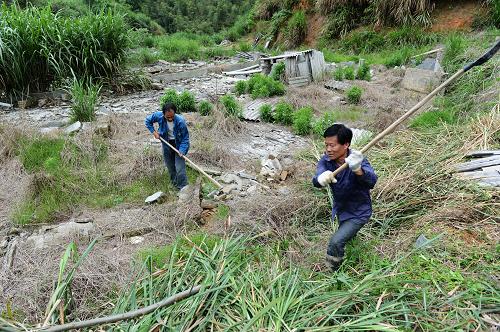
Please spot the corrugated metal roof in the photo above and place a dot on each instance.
(286, 55)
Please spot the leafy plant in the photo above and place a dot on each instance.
(264, 86)
(354, 95)
(186, 102)
(231, 106)
(284, 113)
(338, 74)
(170, 96)
(84, 98)
(266, 113)
(349, 73)
(296, 29)
(38, 47)
(240, 87)
(363, 72)
(302, 121)
(278, 71)
(205, 107)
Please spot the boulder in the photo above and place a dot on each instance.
(60, 234)
(421, 80)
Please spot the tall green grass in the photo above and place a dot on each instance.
(249, 286)
(84, 98)
(37, 47)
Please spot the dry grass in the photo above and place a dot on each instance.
(10, 140)
(314, 95)
(210, 139)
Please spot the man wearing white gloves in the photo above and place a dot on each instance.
(350, 189)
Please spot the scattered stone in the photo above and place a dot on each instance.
(213, 172)
(337, 85)
(13, 232)
(229, 188)
(189, 203)
(284, 191)
(283, 175)
(102, 127)
(8, 262)
(103, 110)
(225, 42)
(5, 106)
(206, 204)
(229, 178)
(421, 241)
(430, 64)
(271, 167)
(421, 80)
(43, 102)
(4, 243)
(247, 176)
(136, 239)
(84, 220)
(157, 197)
(60, 234)
(75, 127)
(252, 189)
(156, 86)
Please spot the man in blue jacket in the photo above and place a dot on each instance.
(350, 190)
(172, 128)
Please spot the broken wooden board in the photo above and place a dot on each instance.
(485, 169)
(478, 164)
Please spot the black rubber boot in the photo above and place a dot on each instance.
(333, 263)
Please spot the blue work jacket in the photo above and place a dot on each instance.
(181, 133)
(351, 193)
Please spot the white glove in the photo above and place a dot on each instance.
(354, 160)
(326, 178)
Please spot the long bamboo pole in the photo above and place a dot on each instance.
(196, 167)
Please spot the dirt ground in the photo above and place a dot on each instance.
(127, 229)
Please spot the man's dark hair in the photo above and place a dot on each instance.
(168, 106)
(344, 134)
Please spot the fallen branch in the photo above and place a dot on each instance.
(126, 315)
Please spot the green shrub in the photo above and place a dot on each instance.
(38, 47)
(302, 121)
(278, 72)
(325, 121)
(264, 86)
(354, 95)
(283, 113)
(363, 72)
(349, 73)
(266, 113)
(433, 119)
(454, 49)
(409, 35)
(296, 29)
(186, 102)
(363, 41)
(399, 57)
(231, 106)
(205, 108)
(178, 48)
(84, 98)
(241, 87)
(338, 74)
(170, 96)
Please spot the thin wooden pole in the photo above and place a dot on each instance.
(126, 315)
(196, 167)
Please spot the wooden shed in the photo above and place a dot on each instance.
(301, 68)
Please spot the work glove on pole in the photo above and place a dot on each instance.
(326, 178)
(354, 160)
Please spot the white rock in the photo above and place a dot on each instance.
(75, 127)
(156, 197)
(136, 239)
